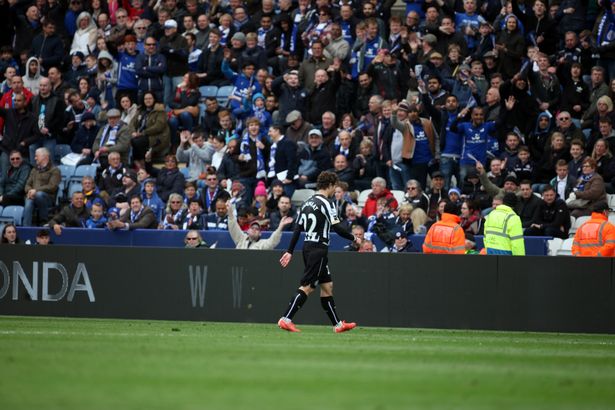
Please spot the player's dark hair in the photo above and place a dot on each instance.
(326, 179)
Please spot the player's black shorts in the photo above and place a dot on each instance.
(316, 260)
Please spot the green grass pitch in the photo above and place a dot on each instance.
(48, 363)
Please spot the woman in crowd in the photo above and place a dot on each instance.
(471, 219)
(185, 107)
(588, 191)
(151, 135)
(9, 235)
(175, 212)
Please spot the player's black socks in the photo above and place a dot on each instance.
(295, 304)
(329, 306)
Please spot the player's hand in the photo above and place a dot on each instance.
(285, 259)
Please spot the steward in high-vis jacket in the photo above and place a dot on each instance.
(596, 237)
(446, 235)
(503, 229)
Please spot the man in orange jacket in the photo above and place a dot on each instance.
(596, 237)
(446, 235)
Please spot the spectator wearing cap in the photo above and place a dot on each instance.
(210, 61)
(511, 183)
(73, 215)
(252, 238)
(596, 237)
(150, 67)
(401, 243)
(290, 94)
(130, 187)
(298, 128)
(84, 138)
(84, 39)
(503, 229)
(113, 137)
(427, 44)
(174, 48)
(314, 158)
(446, 236)
(76, 70)
(127, 81)
(48, 47)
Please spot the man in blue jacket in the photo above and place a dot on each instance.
(150, 67)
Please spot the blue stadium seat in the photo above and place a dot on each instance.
(14, 212)
(223, 94)
(66, 171)
(74, 187)
(208, 91)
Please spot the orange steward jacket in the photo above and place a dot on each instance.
(445, 236)
(596, 237)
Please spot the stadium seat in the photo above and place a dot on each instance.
(223, 94)
(611, 199)
(61, 151)
(400, 196)
(1, 210)
(208, 91)
(83, 170)
(612, 218)
(74, 187)
(554, 246)
(566, 248)
(13, 213)
(363, 197)
(577, 223)
(301, 195)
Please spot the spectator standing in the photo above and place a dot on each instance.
(150, 68)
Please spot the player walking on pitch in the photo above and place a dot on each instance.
(316, 217)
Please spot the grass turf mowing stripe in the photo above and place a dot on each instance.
(74, 363)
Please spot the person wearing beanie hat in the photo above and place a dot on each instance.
(239, 36)
(503, 229)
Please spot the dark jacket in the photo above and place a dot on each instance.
(555, 215)
(54, 112)
(210, 62)
(323, 99)
(144, 220)
(154, 125)
(289, 99)
(286, 158)
(49, 49)
(169, 182)
(18, 127)
(71, 217)
(84, 138)
(12, 183)
(110, 180)
(527, 209)
(510, 60)
(175, 50)
(149, 70)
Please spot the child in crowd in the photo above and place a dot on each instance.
(97, 219)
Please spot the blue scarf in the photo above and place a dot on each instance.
(260, 160)
(583, 180)
(606, 29)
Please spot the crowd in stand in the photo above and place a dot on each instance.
(457, 102)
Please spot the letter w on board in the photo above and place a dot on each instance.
(198, 284)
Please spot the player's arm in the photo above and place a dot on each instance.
(285, 259)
